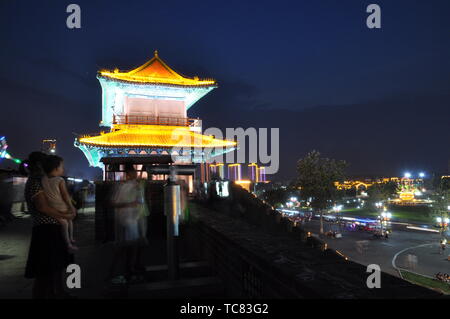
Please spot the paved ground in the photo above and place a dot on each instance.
(363, 248)
(14, 242)
(93, 257)
(424, 260)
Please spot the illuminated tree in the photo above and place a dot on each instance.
(381, 192)
(276, 197)
(440, 208)
(316, 177)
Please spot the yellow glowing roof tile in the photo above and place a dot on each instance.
(153, 136)
(158, 72)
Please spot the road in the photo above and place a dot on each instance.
(416, 250)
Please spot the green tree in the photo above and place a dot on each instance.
(444, 183)
(316, 177)
(441, 202)
(275, 197)
(381, 192)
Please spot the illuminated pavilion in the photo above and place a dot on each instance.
(144, 117)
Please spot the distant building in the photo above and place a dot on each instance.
(253, 172)
(217, 170)
(48, 146)
(365, 183)
(234, 172)
(262, 174)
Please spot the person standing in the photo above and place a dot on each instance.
(443, 243)
(47, 256)
(130, 218)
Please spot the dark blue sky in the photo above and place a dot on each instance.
(378, 98)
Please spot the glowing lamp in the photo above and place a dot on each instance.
(406, 196)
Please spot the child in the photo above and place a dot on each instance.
(56, 191)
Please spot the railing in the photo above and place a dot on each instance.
(155, 120)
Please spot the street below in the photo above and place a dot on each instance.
(415, 250)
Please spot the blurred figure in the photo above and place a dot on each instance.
(412, 261)
(442, 245)
(84, 194)
(130, 215)
(6, 198)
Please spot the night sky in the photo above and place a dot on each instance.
(377, 98)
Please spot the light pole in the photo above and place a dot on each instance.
(337, 210)
(443, 223)
(384, 218)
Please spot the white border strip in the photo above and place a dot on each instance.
(424, 229)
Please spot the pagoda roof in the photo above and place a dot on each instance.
(146, 136)
(156, 71)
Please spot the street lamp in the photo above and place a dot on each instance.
(407, 175)
(383, 219)
(337, 209)
(443, 223)
(421, 175)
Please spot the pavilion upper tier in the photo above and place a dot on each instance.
(156, 72)
(153, 90)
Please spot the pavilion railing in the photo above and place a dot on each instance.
(155, 120)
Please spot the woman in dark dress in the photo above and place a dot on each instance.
(48, 256)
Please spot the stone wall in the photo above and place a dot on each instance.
(259, 254)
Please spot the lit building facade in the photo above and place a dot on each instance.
(144, 115)
(368, 182)
(234, 172)
(262, 174)
(217, 170)
(253, 172)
